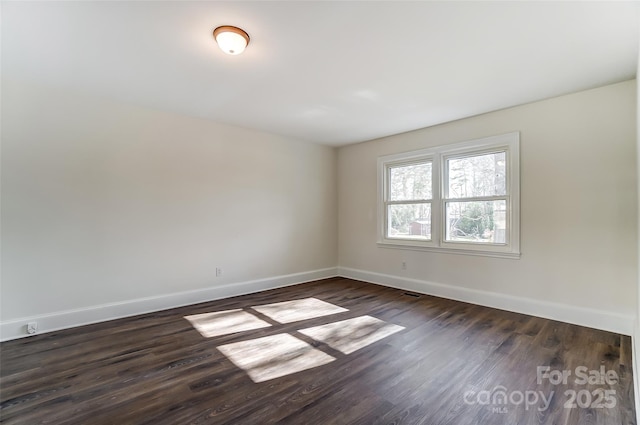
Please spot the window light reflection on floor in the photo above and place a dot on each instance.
(274, 356)
(351, 335)
(295, 310)
(225, 322)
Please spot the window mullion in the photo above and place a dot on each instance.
(436, 206)
(478, 199)
(419, 201)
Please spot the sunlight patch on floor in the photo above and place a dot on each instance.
(295, 310)
(351, 335)
(274, 356)
(225, 322)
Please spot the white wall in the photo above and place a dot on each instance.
(105, 203)
(579, 208)
(636, 334)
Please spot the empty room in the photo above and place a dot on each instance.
(319, 212)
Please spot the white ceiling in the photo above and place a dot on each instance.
(329, 72)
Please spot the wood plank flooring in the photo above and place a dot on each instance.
(452, 363)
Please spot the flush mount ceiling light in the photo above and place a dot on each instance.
(232, 40)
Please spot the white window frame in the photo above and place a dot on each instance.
(509, 143)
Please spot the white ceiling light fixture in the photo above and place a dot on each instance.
(232, 40)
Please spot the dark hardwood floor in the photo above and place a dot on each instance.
(450, 363)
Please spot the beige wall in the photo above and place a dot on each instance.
(578, 203)
(105, 202)
(636, 333)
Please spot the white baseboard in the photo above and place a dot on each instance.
(14, 329)
(598, 319)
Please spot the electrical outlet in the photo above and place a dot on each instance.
(32, 327)
(218, 271)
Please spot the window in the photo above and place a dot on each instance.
(461, 198)
(409, 204)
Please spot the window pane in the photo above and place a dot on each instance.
(410, 182)
(482, 175)
(481, 222)
(412, 221)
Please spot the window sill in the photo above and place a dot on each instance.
(461, 251)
